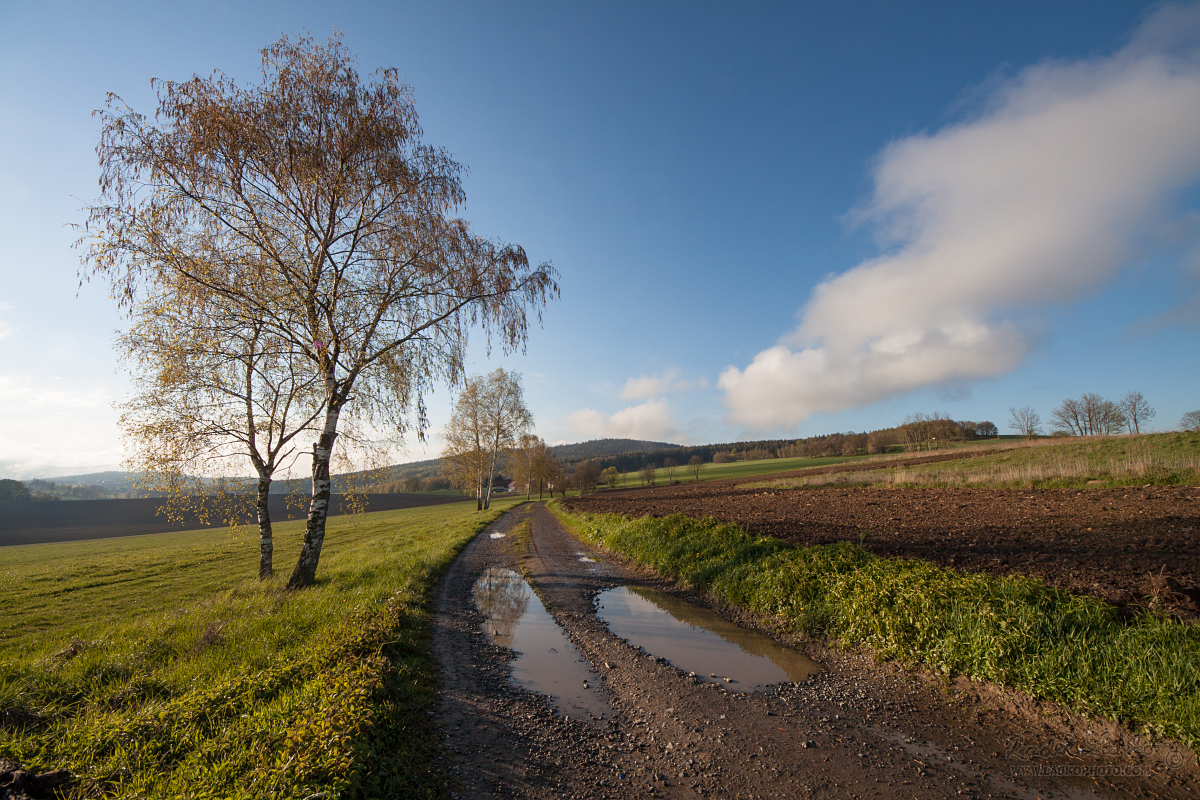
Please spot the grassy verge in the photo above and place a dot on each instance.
(1009, 630)
(1162, 459)
(153, 666)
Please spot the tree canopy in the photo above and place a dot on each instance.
(310, 203)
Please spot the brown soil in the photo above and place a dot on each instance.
(857, 729)
(1130, 546)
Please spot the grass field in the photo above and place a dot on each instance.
(1160, 459)
(736, 469)
(156, 666)
(1011, 630)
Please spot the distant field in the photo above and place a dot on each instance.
(157, 666)
(74, 520)
(766, 466)
(737, 469)
(1157, 459)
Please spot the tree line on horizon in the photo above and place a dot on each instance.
(1093, 415)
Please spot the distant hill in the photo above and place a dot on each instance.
(599, 448)
(112, 479)
(118, 482)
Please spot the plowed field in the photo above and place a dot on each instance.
(1104, 542)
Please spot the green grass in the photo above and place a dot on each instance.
(1010, 630)
(1158, 459)
(156, 666)
(736, 469)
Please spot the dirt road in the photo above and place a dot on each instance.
(857, 729)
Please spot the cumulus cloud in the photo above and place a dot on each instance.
(1036, 201)
(650, 421)
(650, 386)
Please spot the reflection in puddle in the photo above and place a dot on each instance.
(549, 664)
(697, 640)
(497, 535)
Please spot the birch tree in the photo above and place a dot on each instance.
(1025, 421)
(310, 202)
(489, 417)
(211, 392)
(527, 462)
(1137, 411)
(464, 459)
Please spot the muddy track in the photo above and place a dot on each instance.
(858, 729)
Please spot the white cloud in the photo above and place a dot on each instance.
(54, 426)
(1037, 201)
(649, 421)
(649, 386)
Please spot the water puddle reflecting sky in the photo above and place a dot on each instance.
(695, 639)
(548, 663)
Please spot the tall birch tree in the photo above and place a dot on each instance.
(211, 392)
(310, 202)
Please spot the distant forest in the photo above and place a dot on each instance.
(917, 432)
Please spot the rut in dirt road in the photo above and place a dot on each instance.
(855, 729)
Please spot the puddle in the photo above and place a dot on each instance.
(548, 663)
(497, 535)
(695, 639)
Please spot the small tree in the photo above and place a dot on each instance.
(609, 476)
(1190, 421)
(1070, 417)
(553, 474)
(13, 491)
(488, 418)
(1025, 421)
(695, 464)
(987, 429)
(1090, 415)
(646, 473)
(525, 461)
(1104, 417)
(545, 467)
(464, 458)
(669, 467)
(585, 476)
(564, 480)
(1137, 411)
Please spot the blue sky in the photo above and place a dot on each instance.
(788, 219)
